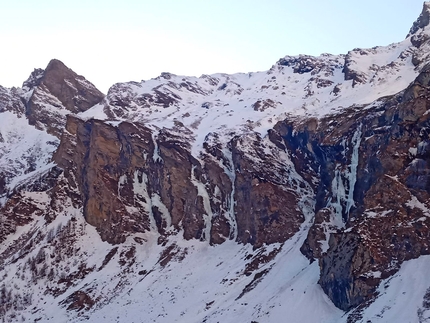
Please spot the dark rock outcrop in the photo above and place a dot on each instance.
(133, 179)
(355, 183)
(10, 100)
(301, 64)
(266, 195)
(373, 191)
(129, 180)
(422, 21)
(54, 92)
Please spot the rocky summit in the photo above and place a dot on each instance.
(297, 194)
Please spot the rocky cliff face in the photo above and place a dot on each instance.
(54, 92)
(373, 194)
(319, 157)
(134, 179)
(33, 118)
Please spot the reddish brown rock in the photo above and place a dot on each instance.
(387, 222)
(125, 181)
(18, 211)
(78, 301)
(10, 100)
(57, 91)
(102, 162)
(266, 207)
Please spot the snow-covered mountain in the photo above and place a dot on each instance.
(297, 194)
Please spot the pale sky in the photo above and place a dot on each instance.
(131, 40)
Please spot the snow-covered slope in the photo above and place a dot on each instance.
(142, 282)
(303, 86)
(24, 150)
(67, 274)
(297, 194)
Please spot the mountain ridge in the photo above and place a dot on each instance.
(305, 184)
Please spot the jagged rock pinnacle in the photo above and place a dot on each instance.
(56, 91)
(422, 21)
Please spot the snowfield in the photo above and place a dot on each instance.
(61, 270)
